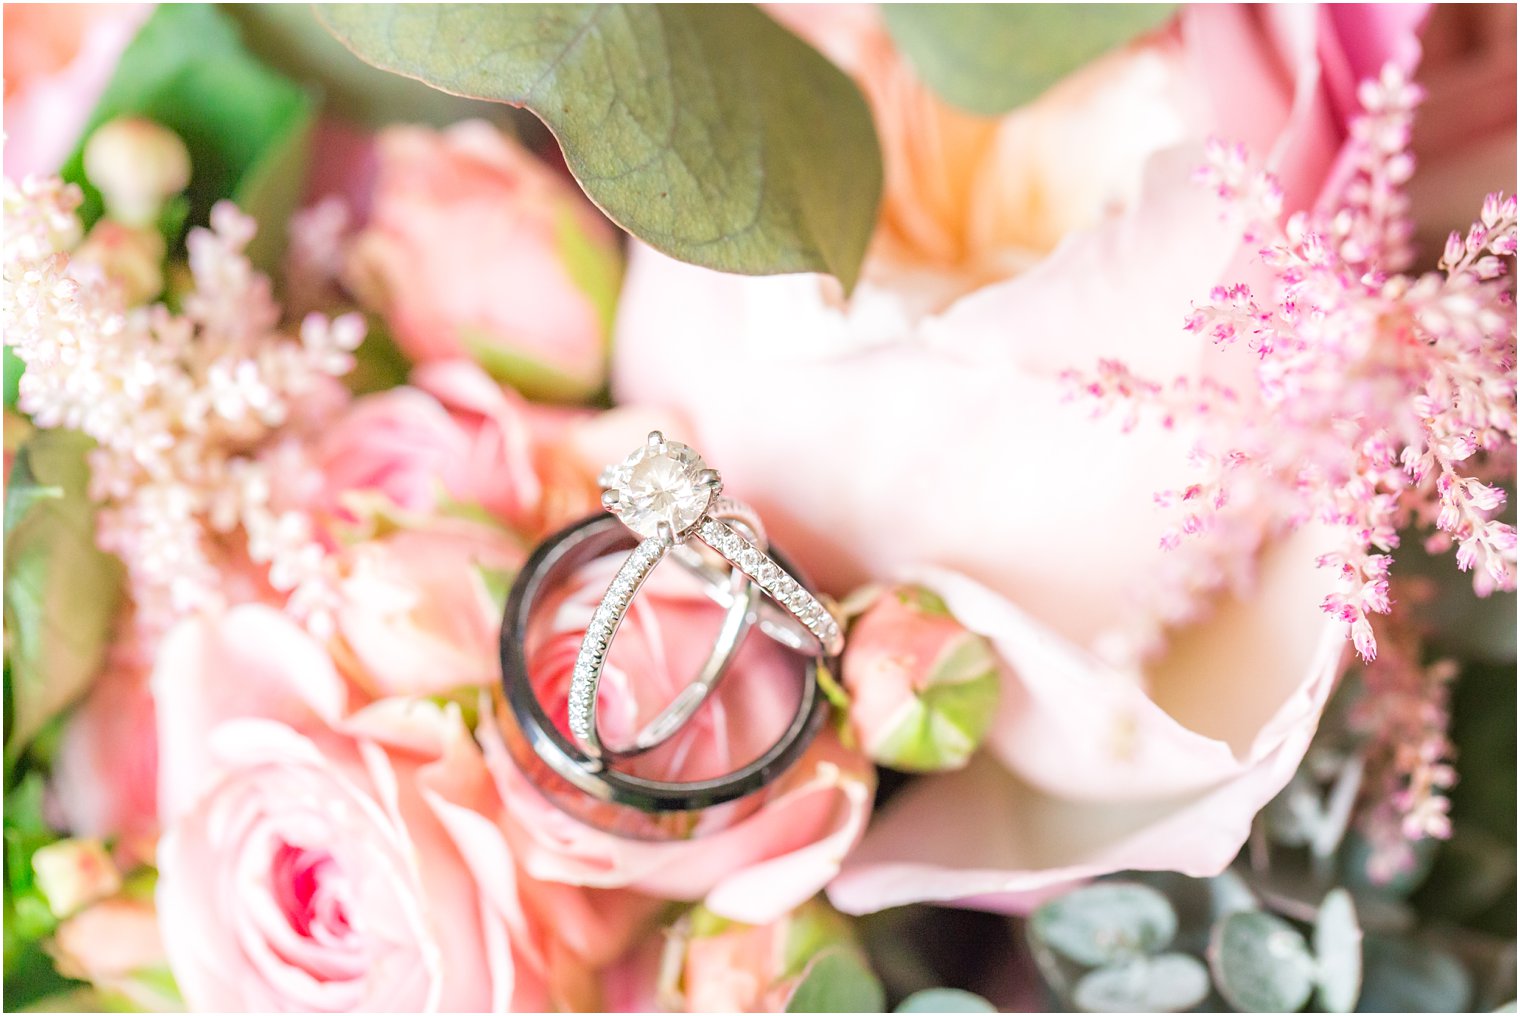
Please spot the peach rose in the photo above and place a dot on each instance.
(758, 868)
(476, 248)
(930, 438)
(115, 946)
(314, 860)
(455, 433)
(58, 60)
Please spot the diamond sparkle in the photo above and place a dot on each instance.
(662, 482)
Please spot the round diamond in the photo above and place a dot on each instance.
(661, 483)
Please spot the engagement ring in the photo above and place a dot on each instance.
(664, 493)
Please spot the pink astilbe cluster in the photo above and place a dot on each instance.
(1402, 713)
(189, 410)
(1381, 400)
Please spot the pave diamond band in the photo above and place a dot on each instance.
(746, 557)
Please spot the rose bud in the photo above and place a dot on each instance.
(137, 165)
(131, 256)
(923, 689)
(712, 964)
(73, 874)
(475, 247)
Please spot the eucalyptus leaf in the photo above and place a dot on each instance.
(1261, 963)
(838, 980)
(705, 130)
(945, 1000)
(1171, 982)
(61, 591)
(245, 125)
(989, 58)
(1402, 975)
(1338, 948)
(1106, 923)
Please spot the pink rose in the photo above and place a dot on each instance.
(418, 616)
(476, 248)
(758, 868)
(58, 60)
(923, 689)
(456, 433)
(314, 860)
(933, 440)
(105, 773)
(115, 946)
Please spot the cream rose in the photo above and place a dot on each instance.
(921, 431)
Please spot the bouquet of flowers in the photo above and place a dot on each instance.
(1123, 400)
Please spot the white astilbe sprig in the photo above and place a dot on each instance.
(183, 407)
(1380, 400)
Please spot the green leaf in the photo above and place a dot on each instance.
(13, 369)
(1406, 976)
(945, 1000)
(706, 130)
(1171, 982)
(1261, 963)
(1106, 923)
(61, 591)
(244, 124)
(990, 58)
(290, 39)
(378, 362)
(1338, 948)
(838, 980)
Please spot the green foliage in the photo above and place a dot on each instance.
(944, 1000)
(61, 591)
(29, 973)
(838, 980)
(1117, 929)
(246, 126)
(1338, 947)
(1261, 963)
(290, 39)
(707, 131)
(990, 58)
(1406, 976)
(1170, 982)
(13, 369)
(1108, 922)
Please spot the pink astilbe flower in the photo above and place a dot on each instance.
(188, 410)
(1380, 399)
(1402, 713)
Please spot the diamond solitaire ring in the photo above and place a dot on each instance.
(665, 494)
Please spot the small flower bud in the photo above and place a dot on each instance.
(137, 165)
(712, 964)
(923, 689)
(131, 256)
(72, 874)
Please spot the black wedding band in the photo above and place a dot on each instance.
(588, 788)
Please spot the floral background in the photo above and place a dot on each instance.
(1138, 383)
